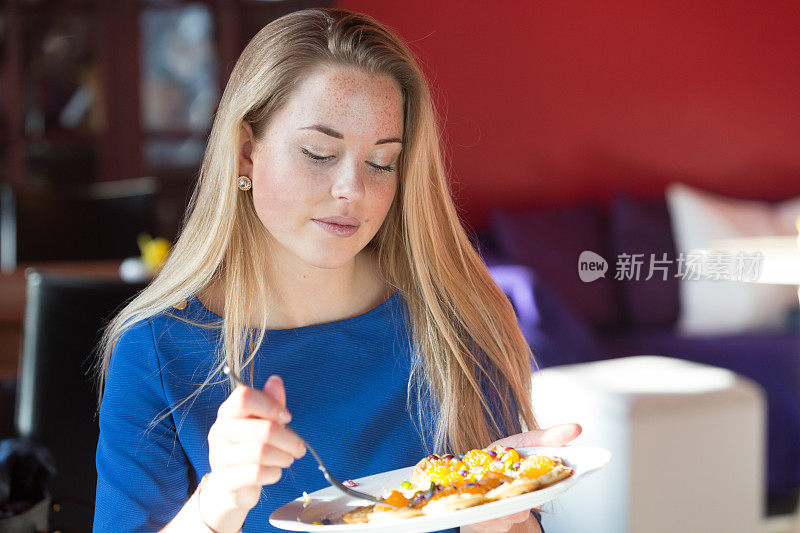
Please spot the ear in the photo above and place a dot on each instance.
(246, 145)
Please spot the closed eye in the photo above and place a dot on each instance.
(316, 157)
(323, 158)
(387, 168)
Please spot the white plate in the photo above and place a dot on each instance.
(330, 503)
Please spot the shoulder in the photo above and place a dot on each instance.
(179, 325)
(187, 318)
(158, 350)
(139, 332)
(133, 366)
(135, 337)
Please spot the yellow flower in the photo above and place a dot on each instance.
(154, 251)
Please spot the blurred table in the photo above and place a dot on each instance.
(12, 301)
(779, 257)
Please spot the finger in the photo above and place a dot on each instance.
(241, 430)
(561, 434)
(503, 523)
(253, 453)
(558, 435)
(507, 520)
(274, 387)
(516, 518)
(247, 402)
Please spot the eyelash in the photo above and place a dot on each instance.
(322, 159)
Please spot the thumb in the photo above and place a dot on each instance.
(274, 388)
(557, 435)
(560, 434)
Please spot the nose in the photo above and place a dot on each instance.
(348, 182)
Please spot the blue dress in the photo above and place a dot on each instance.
(346, 384)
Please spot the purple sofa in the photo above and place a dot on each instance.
(534, 257)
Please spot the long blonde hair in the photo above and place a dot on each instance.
(471, 361)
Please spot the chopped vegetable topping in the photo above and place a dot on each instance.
(475, 458)
(536, 466)
(397, 499)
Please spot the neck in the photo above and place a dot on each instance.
(304, 295)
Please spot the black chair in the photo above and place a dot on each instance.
(56, 396)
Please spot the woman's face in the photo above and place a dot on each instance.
(324, 173)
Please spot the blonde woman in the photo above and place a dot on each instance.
(322, 260)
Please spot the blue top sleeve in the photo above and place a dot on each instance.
(140, 468)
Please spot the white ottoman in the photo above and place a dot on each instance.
(687, 443)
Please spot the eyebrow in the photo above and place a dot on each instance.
(333, 133)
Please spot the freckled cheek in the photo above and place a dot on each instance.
(271, 207)
(383, 194)
(281, 203)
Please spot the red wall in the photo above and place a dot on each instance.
(547, 103)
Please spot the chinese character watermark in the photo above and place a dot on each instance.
(689, 266)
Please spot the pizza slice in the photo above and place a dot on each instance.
(443, 483)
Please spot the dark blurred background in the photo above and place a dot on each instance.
(98, 91)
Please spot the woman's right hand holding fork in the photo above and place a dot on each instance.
(249, 446)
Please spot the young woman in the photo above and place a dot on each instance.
(322, 261)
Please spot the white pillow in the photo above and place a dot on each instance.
(725, 307)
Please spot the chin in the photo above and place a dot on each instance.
(328, 259)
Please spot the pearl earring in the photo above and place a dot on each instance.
(245, 183)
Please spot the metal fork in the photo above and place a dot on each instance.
(325, 472)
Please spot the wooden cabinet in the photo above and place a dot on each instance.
(102, 90)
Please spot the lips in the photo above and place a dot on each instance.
(338, 226)
(341, 221)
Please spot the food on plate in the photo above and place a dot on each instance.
(444, 483)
